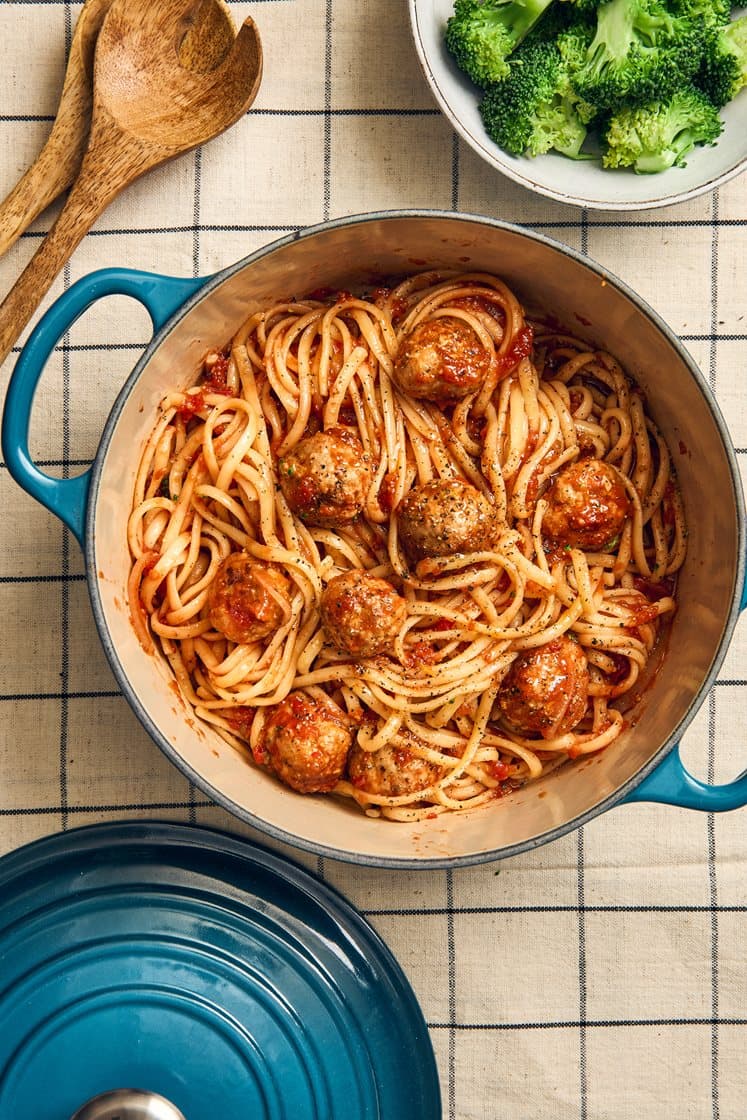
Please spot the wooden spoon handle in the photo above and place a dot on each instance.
(81, 210)
(50, 175)
(59, 160)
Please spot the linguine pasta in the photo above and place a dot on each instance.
(453, 667)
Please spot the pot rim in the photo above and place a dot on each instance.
(224, 800)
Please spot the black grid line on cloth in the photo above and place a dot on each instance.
(712, 355)
(65, 543)
(196, 227)
(71, 577)
(451, 982)
(138, 347)
(713, 893)
(582, 986)
(451, 1086)
(590, 1024)
(455, 172)
(327, 184)
(589, 908)
(96, 348)
(710, 820)
(569, 223)
(105, 807)
(192, 810)
(583, 1083)
(327, 111)
(57, 463)
(549, 226)
(65, 695)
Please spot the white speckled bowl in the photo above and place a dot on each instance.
(195, 315)
(577, 182)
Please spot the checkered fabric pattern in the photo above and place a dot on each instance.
(601, 977)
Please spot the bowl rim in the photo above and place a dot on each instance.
(221, 798)
(489, 152)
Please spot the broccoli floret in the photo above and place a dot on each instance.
(640, 52)
(535, 109)
(713, 13)
(584, 5)
(660, 134)
(561, 18)
(481, 34)
(573, 43)
(723, 71)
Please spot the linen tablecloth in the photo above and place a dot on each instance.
(601, 977)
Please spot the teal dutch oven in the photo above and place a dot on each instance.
(190, 316)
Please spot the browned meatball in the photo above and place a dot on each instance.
(443, 517)
(393, 770)
(248, 599)
(326, 477)
(306, 742)
(546, 689)
(362, 614)
(442, 360)
(587, 506)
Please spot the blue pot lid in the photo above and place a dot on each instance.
(189, 963)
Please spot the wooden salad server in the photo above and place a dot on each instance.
(59, 161)
(168, 76)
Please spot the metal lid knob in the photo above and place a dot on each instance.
(128, 1104)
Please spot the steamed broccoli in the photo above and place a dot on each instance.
(708, 12)
(640, 51)
(645, 79)
(535, 108)
(723, 71)
(481, 34)
(573, 42)
(660, 134)
(584, 5)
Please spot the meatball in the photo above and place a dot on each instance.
(362, 614)
(306, 742)
(393, 770)
(546, 689)
(326, 477)
(587, 505)
(248, 599)
(442, 360)
(443, 517)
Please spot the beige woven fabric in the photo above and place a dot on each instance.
(601, 977)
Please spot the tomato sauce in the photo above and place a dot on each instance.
(443, 624)
(193, 403)
(521, 347)
(663, 589)
(241, 720)
(387, 491)
(421, 653)
(621, 669)
(216, 374)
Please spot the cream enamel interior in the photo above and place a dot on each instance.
(343, 254)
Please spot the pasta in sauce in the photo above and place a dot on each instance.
(406, 547)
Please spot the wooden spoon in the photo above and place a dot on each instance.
(59, 161)
(166, 79)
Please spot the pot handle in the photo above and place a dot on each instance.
(671, 784)
(160, 295)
